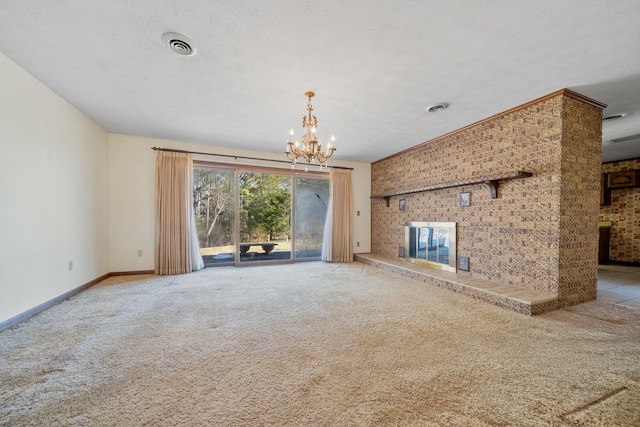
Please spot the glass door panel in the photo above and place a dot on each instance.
(311, 201)
(214, 205)
(264, 216)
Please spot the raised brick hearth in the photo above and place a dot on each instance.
(521, 300)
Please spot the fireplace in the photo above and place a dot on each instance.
(432, 244)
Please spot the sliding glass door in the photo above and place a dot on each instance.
(214, 194)
(251, 215)
(265, 216)
(312, 199)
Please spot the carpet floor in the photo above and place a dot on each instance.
(314, 344)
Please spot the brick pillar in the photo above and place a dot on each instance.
(580, 164)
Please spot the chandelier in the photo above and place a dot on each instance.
(311, 148)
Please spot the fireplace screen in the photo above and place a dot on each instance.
(432, 244)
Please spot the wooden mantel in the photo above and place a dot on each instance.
(493, 182)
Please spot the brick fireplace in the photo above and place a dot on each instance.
(538, 232)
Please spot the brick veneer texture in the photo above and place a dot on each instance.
(624, 214)
(541, 232)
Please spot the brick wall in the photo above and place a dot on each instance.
(525, 237)
(624, 214)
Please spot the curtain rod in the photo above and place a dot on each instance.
(173, 150)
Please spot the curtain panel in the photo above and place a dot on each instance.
(176, 240)
(338, 240)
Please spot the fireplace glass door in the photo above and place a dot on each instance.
(432, 244)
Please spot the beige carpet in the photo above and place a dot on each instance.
(314, 344)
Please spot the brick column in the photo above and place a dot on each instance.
(581, 158)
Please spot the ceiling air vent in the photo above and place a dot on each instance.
(180, 44)
(630, 138)
(614, 117)
(436, 107)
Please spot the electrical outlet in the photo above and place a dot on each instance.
(358, 244)
(70, 265)
(140, 253)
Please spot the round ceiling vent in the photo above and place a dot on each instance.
(614, 117)
(436, 107)
(180, 44)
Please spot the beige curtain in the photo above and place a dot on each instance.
(176, 243)
(338, 241)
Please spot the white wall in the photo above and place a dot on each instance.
(131, 201)
(53, 185)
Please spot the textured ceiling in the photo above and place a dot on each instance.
(374, 65)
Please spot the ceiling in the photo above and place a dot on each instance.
(375, 65)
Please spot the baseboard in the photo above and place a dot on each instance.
(131, 273)
(14, 321)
